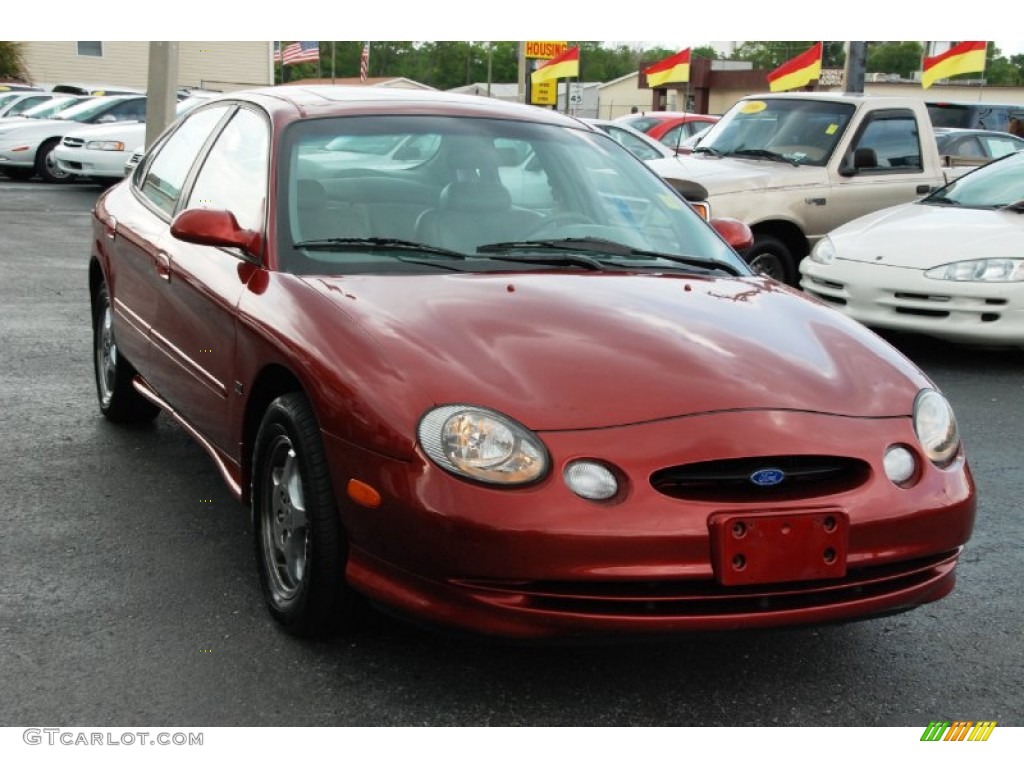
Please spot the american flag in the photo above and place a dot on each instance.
(364, 62)
(303, 50)
(277, 50)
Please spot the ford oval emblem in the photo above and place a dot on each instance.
(767, 477)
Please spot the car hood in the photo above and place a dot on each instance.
(727, 175)
(921, 236)
(571, 351)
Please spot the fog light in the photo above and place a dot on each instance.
(590, 480)
(900, 465)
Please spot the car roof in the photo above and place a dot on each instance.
(325, 100)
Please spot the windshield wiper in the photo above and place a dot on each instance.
(941, 201)
(607, 247)
(767, 154)
(375, 244)
(708, 150)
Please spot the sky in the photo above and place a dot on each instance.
(471, 20)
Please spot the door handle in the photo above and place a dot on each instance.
(163, 265)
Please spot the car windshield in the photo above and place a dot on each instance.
(998, 184)
(88, 109)
(791, 130)
(473, 194)
(49, 108)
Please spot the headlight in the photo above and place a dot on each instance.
(935, 426)
(980, 270)
(109, 146)
(824, 251)
(483, 445)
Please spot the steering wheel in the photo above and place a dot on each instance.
(557, 220)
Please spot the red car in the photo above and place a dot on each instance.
(670, 128)
(509, 381)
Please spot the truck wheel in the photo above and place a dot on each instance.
(771, 257)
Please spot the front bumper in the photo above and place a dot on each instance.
(91, 162)
(542, 562)
(902, 299)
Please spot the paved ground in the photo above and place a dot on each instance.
(128, 592)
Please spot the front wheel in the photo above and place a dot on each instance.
(300, 545)
(771, 257)
(46, 164)
(118, 399)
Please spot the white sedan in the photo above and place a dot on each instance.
(949, 266)
(100, 151)
(26, 147)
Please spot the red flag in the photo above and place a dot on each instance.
(958, 60)
(566, 65)
(798, 71)
(674, 69)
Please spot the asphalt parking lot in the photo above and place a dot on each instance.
(129, 593)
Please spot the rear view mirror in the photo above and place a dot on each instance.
(205, 226)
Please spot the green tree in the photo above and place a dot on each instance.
(12, 61)
(900, 58)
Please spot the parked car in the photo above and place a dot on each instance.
(670, 128)
(100, 151)
(976, 143)
(639, 143)
(34, 105)
(948, 266)
(582, 417)
(26, 148)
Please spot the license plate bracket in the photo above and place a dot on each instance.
(772, 547)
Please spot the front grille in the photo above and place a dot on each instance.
(71, 141)
(729, 480)
(708, 598)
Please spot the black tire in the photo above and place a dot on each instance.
(771, 257)
(119, 401)
(46, 165)
(300, 546)
(19, 174)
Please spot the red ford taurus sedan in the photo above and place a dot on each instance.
(485, 368)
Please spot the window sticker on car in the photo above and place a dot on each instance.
(831, 129)
(753, 107)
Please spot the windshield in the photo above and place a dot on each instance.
(798, 131)
(995, 185)
(47, 108)
(88, 109)
(477, 195)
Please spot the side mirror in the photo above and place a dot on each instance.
(205, 226)
(734, 232)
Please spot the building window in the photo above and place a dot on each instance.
(90, 48)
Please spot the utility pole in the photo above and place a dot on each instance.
(521, 78)
(162, 90)
(856, 65)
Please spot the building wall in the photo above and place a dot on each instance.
(620, 96)
(214, 65)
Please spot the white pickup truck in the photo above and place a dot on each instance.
(794, 166)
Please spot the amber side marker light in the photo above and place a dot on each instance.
(363, 494)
